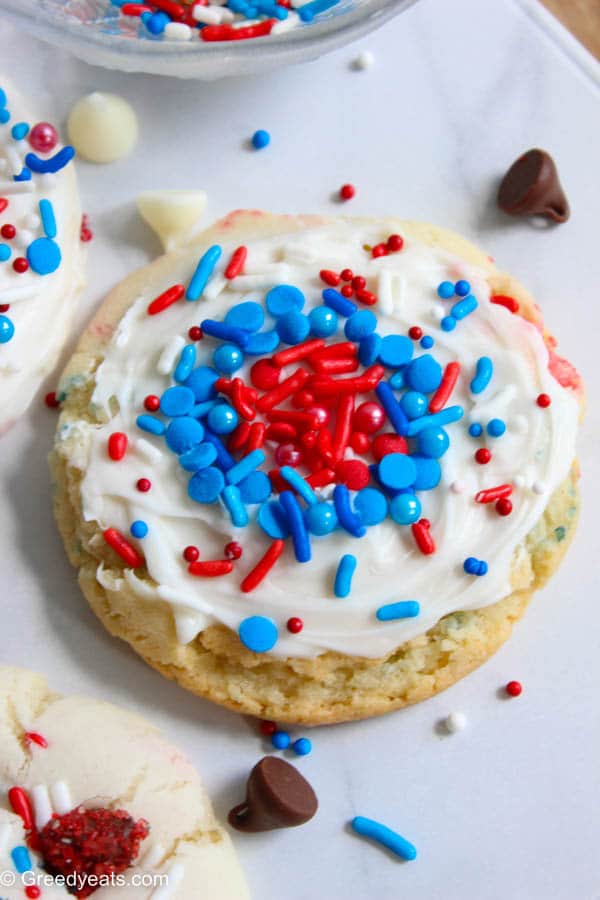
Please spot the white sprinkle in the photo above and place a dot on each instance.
(457, 487)
(454, 722)
(214, 287)
(438, 311)
(152, 453)
(538, 487)
(14, 160)
(61, 798)
(16, 187)
(206, 15)
(363, 61)
(41, 805)
(170, 354)
(292, 21)
(178, 31)
(519, 481)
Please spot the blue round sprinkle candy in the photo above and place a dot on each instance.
(424, 374)
(302, 747)
(462, 288)
(198, 457)
(395, 350)
(228, 358)
(445, 290)
(222, 419)
(427, 342)
(397, 380)
(262, 342)
(280, 740)
(429, 473)
(202, 382)
(405, 509)
(474, 566)
(206, 485)
(255, 487)
(293, 327)
(368, 349)
(414, 404)
(371, 505)
(5, 252)
(184, 433)
(496, 427)
(138, 529)
(250, 316)
(397, 471)
(323, 321)
(475, 430)
(321, 518)
(258, 634)
(7, 329)
(157, 22)
(448, 323)
(177, 401)
(283, 299)
(261, 139)
(20, 131)
(433, 442)
(273, 520)
(360, 324)
(4, 116)
(43, 255)
(306, 15)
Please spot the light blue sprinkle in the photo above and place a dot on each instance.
(20, 131)
(258, 634)
(464, 307)
(246, 465)
(383, 835)
(204, 270)
(405, 609)
(187, 360)
(443, 417)
(150, 424)
(21, 859)
(48, 220)
(139, 529)
(343, 577)
(5, 252)
(235, 507)
(483, 374)
(302, 487)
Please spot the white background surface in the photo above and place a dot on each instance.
(508, 809)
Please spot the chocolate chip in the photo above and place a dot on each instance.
(277, 796)
(531, 187)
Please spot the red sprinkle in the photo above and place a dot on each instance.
(228, 33)
(175, 10)
(4, 307)
(449, 379)
(513, 688)
(170, 296)
(211, 568)
(3, 204)
(239, 400)
(321, 478)
(336, 366)
(35, 738)
(379, 250)
(191, 554)
(195, 333)
(483, 456)
(281, 432)
(21, 806)
(353, 473)
(343, 426)
(300, 351)
(335, 351)
(264, 374)
(295, 625)
(504, 507)
(236, 263)
(415, 333)
(8, 232)
(388, 443)
(121, 545)
(256, 437)
(366, 297)
(395, 243)
(267, 728)
(508, 302)
(239, 436)
(359, 283)
(544, 400)
(284, 390)
(347, 192)
(346, 274)
(359, 441)
(32, 892)
(490, 495)
(51, 400)
(329, 277)
(233, 550)
(143, 485)
(20, 265)
(263, 567)
(151, 402)
(135, 9)
(423, 537)
(117, 445)
(347, 291)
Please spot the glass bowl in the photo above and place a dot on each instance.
(95, 31)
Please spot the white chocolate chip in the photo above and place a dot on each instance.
(454, 722)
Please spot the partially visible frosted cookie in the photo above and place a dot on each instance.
(129, 808)
(41, 268)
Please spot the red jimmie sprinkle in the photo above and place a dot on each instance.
(343, 426)
(117, 445)
(228, 33)
(490, 495)
(175, 10)
(342, 366)
(267, 728)
(21, 806)
(170, 296)
(300, 351)
(263, 567)
(134, 9)
(281, 432)
(121, 545)
(335, 351)
(3, 204)
(359, 283)
(423, 537)
(256, 438)
(239, 436)
(321, 478)
(264, 374)
(238, 397)
(449, 379)
(236, 263)
(284, 390)
(329, 277)
(509, 302)
(366, 297)
(35, 738)
(353, 473)
(379, 250)
(211, 568)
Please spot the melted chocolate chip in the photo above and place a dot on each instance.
(277, 796)
(531, 187)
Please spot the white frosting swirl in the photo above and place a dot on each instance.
(536, 450)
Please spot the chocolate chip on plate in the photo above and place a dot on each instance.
(531, 187)
(277, 796)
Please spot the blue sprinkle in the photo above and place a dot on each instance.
(280, 740)
(199, 457)
(202, 382)
(323, 321)
(302, 746)
(299, 484)
(368, 349)
(5, 252)
(150, 424)
(43, 255)
(262, 342)
(19, 131)
(429, 473)
(397, 470)
(464, 307)
(222, 419)
(187, 360)
(21, 859)
(258, 634)
(300, 538)
(24, 175)
(7, 329)
(462, 288)
(177, 401)
(396, 350)
(224, 332)
(445, 290)
(427, 342)
(475, 430)
(293, 327)
(255, 487)
(397, 379)
(228, 358)
(474, 566)
(273, 520)
(139, 529)
(184, 433)
(340, 304)
(310, 10)
(423, 374)
(405, 509)
(224, 458)
(202, 409)
(261, 139)
(448, 323)
(283, 299)
(157, 22)
(344, 574)
(321, 518)
(443, 417)
(496, 427)
(235, 506)
(394, 411)
(53, 164)
(348, 519)
(247, 464)
(249, 316)
(47, 216)
(206, 485)
(4, 116)
(360, 325)
(2, 97)
(433, 442)
(483, 374)
(204, 270)
(385, 836)
(371, 505)
(414, 404)
(405, 609)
